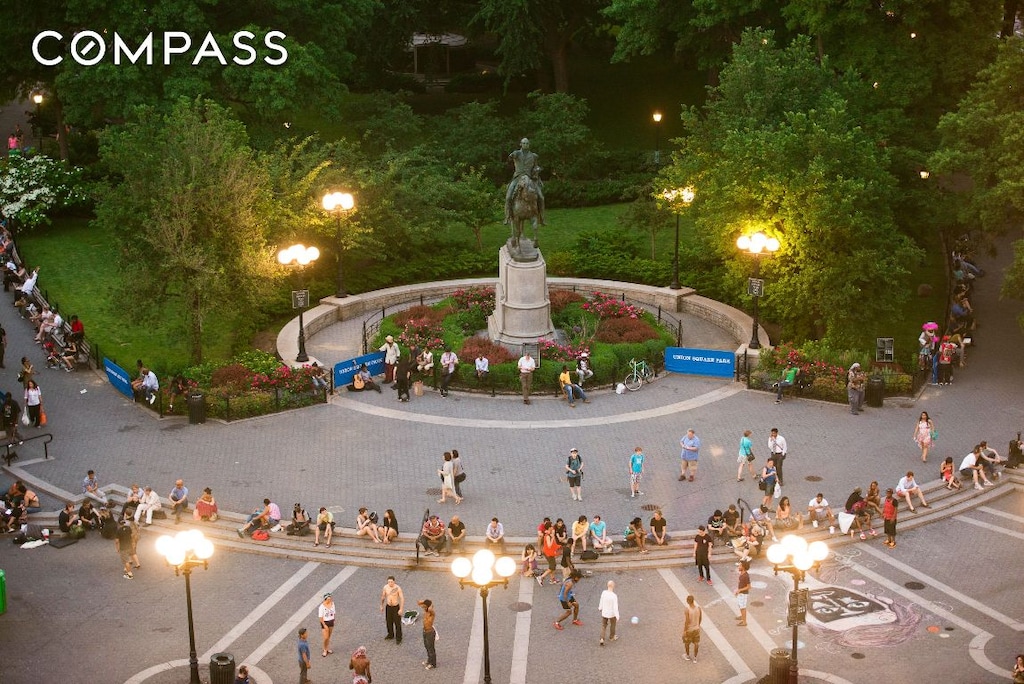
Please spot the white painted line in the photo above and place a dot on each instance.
(257, 675)
(260, 610)
(989, 526)
(1001, 514)
(291, 625)
(475, 655)
(732, 656)
(521, 643)
(753, 626)
(977, 646)
(944, 588)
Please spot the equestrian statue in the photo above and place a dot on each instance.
(524, 199)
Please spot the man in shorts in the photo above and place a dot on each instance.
(636, 471)
(688, 457)
(567, 597)
(818, 509)
(742, 593)
(691, 628)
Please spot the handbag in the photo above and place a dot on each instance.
(935, 435)
(42, 417)
(760, 483)
(750, 457)
(778, 491)
(25, 420)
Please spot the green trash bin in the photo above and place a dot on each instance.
(778, 666)
(875, 391)
(3, 592)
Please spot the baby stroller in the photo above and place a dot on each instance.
(53, 359)
(1015, 455)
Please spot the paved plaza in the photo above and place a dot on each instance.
(945, 605)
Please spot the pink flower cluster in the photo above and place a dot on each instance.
(421, 333)
(560, 352)
(607, 306)
(284, 377)
(478, 296)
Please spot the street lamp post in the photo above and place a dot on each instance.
(38, 99)
(756, 245)
(656, 116)
(795, 556)
(479, 573)
(184, 551)
(675, 198)
(301, 256)
(339, 203)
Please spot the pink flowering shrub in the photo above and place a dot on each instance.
(477, 297)
(607, 306)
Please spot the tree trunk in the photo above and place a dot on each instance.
(1010, 9)
(559, 56)
(62, 136)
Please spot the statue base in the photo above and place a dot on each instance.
(525, 251)
(522, 310)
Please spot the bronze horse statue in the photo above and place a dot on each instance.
(524, 208)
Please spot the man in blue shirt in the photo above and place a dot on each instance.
(688, 457)
(304, 663)
(179, 500)
(636, 470)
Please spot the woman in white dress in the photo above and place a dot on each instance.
(447, 473)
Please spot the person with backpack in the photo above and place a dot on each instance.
(574, 474)
(125, 541)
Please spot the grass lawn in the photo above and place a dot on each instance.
(79, 274)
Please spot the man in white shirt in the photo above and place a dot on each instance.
(449, 360)
(818, 509)
(483, 367)
(526, 367)
(496, 534)
(609, 607)
(149, 502)
(150, 386)
(777, 449)
(971, 467)
(391, 354)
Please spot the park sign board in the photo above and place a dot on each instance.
(344, 371)
(118, 377)
(690, 361)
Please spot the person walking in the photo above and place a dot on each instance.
(11, 412)
(447, 473)
(526, 368)
(326, 613)
(429, 633)
(924, 434)
(689, 455)
(574, 474)
(459, 473)
(303, 650)
(702, 554)
(777, 449)
(742, 592)
(636, 471)
(691, 628)
(392, 604)
(889, 513)
(745, 456)
(567, 597)
(34, 402)
(609, 607)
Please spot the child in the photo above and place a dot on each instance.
(949, 475)
(889, 518)
(529, 561)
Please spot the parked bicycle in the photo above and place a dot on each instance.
(639, 373)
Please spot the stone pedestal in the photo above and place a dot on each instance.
(522, 311)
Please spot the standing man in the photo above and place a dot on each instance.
(742, 592)
(526, 367)
(124, 542)
(449, 360)
(609, 607)
(10, 412)
(691, 627)
(689, 455)
(429, 635)
(526, 164)
(567, 597)
(304, 663)
(777, 452)
(179, 500)
(392, 604)
(636, 471)
(391, 354)
(574, 474)
(702, 543)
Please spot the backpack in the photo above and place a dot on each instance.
(589, 555)
(260, 535)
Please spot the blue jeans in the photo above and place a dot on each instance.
(782, 386)
(571, 390)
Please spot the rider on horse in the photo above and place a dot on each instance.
(526, 166)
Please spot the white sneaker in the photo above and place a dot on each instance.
(814, 523)
(686, 657)
(831, 529)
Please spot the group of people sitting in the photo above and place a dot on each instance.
(18, 501)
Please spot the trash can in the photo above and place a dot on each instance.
(222, 668)
(196, 409)
(778, 666)
(875, 391)
(3, 592)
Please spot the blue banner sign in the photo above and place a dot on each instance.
(345, 370)
(700, 361)
(118, 377)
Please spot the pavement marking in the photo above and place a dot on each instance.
(258, 675)
(989, 526)
(521, 643)
(753, 626)
(981, 637)
(508, 424)
(1001, 514)
(732, 656)
(291, 624)
(944, 588)
(261, 610)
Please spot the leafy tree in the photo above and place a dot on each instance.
(32, 188)
(781, 149)
(189, 203)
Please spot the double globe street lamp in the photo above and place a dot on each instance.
(756, 245)
(300, 256)
(480, 573)
(678, 198)
(794, 555)
(184, 551)
(339, 204)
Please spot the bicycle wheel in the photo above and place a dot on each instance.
(648, 374)
(633, 381)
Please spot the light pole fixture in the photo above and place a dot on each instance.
(756, 245)
(656, 117)
(339, 204)
(183, 552)
(480, 574)
(677, 199)
(38, 99)
(301, 256)
(794, 555)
